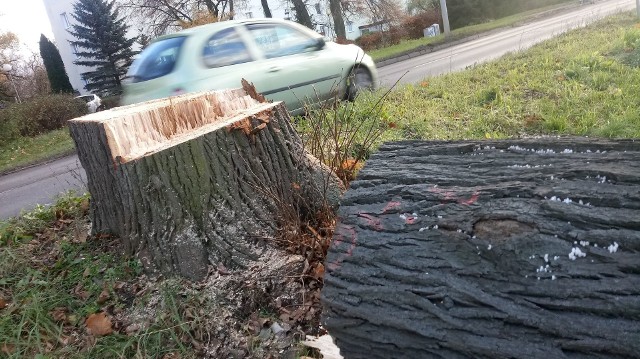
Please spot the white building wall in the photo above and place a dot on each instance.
(59, 12)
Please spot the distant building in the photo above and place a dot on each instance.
(59, 12)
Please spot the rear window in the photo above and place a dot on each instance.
(155, 61)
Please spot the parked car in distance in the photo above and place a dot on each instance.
(284, 60)
(92, 100)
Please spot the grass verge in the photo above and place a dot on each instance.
(585, 82)
(23, 151)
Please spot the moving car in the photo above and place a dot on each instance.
(92, 100)
(284, 60)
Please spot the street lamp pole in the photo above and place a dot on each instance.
(445, 17)
(7, 69)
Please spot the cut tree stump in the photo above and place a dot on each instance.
(489, 249)
(198, 179)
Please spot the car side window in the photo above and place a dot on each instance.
(225, 48)
(277, 40)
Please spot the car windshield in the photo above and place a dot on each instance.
(157, 60)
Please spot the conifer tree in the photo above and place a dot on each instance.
(56, 72)
(101, 45)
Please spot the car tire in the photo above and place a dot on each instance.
(359, 79)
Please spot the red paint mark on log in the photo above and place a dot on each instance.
(473, 199)
(390, 206)
(410, 220)
(343, 234)
(372, 221)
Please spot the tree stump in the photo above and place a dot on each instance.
(199, 178)
(489, 249)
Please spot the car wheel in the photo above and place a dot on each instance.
(359, 79)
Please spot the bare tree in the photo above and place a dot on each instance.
(162, 16)
(338, 20)
(375, 10)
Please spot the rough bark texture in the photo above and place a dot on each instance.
(463, 250)
(197, 179)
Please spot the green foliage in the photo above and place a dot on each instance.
(101, 35)
(23, 151)
(42, 114)
(56, 72)
(470, 12)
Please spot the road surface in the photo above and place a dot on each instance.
(41, 184)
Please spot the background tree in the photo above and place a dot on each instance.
(418, 6)
(302, 14)
(54, 66)
(338, 21)
(265, 8)
(101, 35)
(8, 48)
(162, 16)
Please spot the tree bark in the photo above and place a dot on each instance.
(338, 21)
(198, 179)
(302, 15)
(265, 8)
(497, 249)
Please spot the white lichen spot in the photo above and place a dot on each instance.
(553, 277)
(439, 217)
(556, 258)
(403, 217)
(613, 247)
(576, 253)
(459, 230)
(546, 257)
(584, 243)
(489, 247)
(423, 229)
(435, 227)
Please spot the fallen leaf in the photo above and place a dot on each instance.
(319, 271)
(103, 297)
(8, 349)
(132, 329)
(3, 303)
(59, 314)
(80, 292)
(99, 324)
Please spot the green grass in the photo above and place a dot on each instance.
(408, 46)
(26, 150)
(582, 83)
(49, 266)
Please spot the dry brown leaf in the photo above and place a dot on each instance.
(80, 292)
(319, 271)
(80, 235)
(8, 349)
(59, 314)
(132, 329)
(99, 324)
(3, 303)
(103, 297)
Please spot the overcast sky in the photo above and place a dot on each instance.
(27, 19)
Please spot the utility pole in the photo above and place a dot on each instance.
(445, 17)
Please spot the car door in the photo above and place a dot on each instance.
(223, 59)
(294, 67)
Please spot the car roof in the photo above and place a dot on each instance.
(216, 26)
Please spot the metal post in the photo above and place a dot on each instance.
(445, 17)
(638, 8)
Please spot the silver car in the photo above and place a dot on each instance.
(284, 60)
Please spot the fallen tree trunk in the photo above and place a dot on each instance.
(198, 179)
(493, 249)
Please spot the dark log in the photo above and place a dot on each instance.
(470, 250)
(198, 179)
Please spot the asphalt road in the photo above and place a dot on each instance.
(41, 184)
